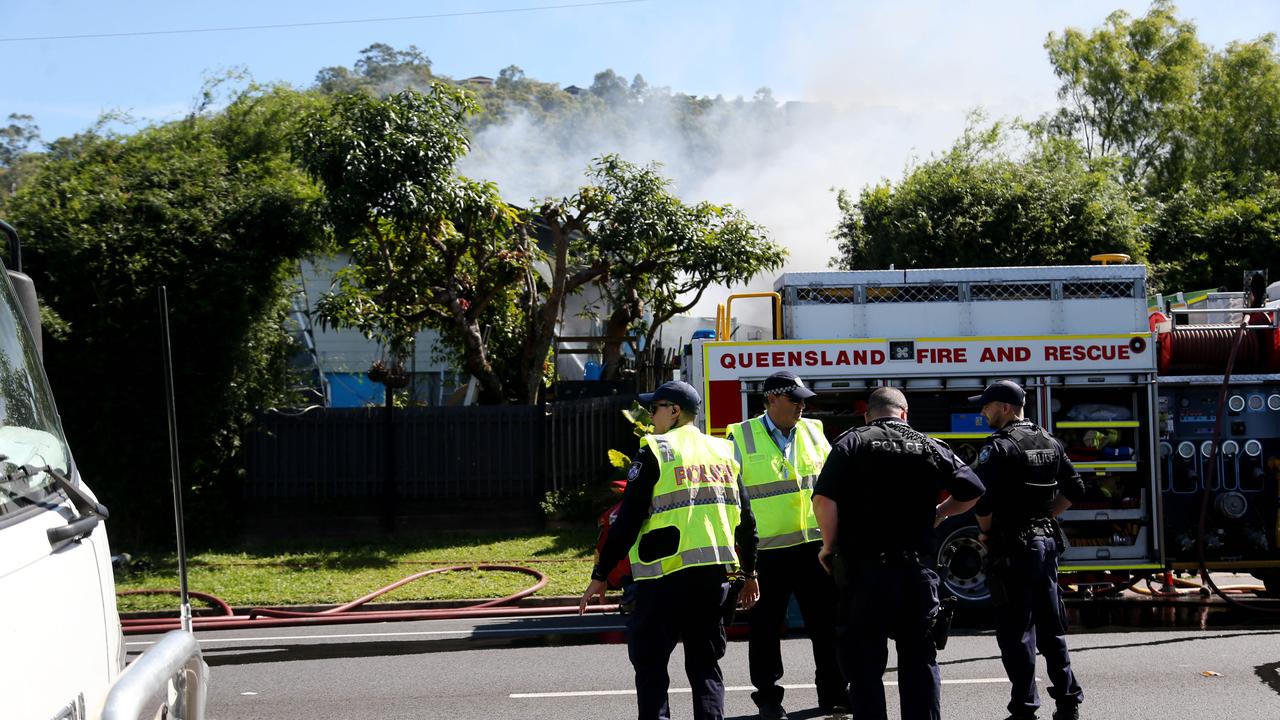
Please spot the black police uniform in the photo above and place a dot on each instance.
(683, 606)
(885, 479)
(1024, 468)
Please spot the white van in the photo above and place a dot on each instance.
(62, 650)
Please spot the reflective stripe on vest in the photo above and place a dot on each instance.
(687, 558)
(798, 537)
(697, 495)
(781, 487)
(689, 496)
(781, 502)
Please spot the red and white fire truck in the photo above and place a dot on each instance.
(1136, 405)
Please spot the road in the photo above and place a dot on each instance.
(572, 667)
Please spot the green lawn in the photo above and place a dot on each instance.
(333, 573)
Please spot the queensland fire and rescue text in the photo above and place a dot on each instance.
(987, 355)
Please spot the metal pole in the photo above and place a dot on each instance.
(174, 470)
(389, 448)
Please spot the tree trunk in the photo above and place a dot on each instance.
(542, 331)
(615, 333)
(628, 310)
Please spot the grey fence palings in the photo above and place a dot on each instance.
(460, 453)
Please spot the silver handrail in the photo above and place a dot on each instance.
(174, 666)
(1275, 316)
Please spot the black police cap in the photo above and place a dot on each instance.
(680, 393)
(787, 383)
(1005, 391)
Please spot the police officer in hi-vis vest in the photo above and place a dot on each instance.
(781, 454)
(682, 515)
(1029, 482)
(876, 501)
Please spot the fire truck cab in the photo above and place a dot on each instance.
(1077, 338)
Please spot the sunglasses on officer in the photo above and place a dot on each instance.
(659, 405)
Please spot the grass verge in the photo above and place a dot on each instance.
(330, 573)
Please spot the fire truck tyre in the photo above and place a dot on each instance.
(959, 561)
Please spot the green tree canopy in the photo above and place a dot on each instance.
(977, 205)
(1196, 132)
(212, 207)
(662, 253)
(1128, 86)
(16, 152)
(429, 249)
(381, 69)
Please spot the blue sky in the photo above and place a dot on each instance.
(902, 77)
(926, 55)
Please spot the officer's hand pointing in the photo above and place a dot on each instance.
(597, 587)
(749, 594)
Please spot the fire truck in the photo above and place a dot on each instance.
(1134, 396)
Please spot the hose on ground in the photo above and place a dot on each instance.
(351, 612)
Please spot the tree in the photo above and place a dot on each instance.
(610, 87)
(977, 206)
(1197, 133)
(1235, 125)
(1127, 86)
(381, 70)
(639, 87)
(510, 77)
(16, 142)
(212, 208)
(662, 254)
(1209, 233)
(429, 249)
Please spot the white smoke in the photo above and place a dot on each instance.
(780, 167)
(887, 85)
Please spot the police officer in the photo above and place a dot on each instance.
(680, 519)
(875, 501)
(1029, 481)
(781, 455)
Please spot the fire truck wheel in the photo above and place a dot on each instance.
(959, 561)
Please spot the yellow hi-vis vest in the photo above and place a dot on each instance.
(697, 493)
(781, 494)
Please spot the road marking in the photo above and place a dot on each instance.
(737, 688)
(419, 633)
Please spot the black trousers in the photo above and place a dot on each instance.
(1035, 618)
(784, 572)
(897, 600)
(681, 607)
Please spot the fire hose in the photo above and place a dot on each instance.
(352, 613)
(1191, 587)
(1241, 333)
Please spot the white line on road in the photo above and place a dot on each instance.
(420, 633)
(737, 688)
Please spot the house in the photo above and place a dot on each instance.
(341, 357)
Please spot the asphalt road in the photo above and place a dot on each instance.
(572, 667)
